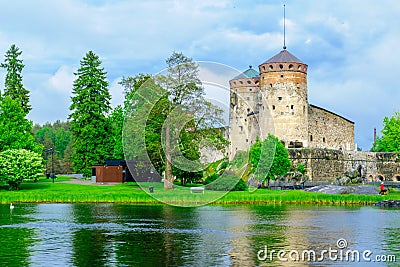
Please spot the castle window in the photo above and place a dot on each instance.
(280, 98)
(241, 82)
(281, 113)
(270, 67)
(270, 85)
(248, 110)
(282, 76)
(280, 66)
(290, 66)
(256, 82)
(249, 82)
(298, 86)
(250, 89)
(247, 140)
(310, 138)
(292, 107)
(234, 83)
(299, 67)
(263, 67)
(241, 128)
(323, 139)
(273, 107)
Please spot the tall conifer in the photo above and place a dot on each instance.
(13, 86)
(92, 132)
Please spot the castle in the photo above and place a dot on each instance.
(275, 100)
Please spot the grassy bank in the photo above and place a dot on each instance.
(44, 191)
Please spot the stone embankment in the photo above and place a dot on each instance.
(389, 203)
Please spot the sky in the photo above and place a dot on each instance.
(351, 47)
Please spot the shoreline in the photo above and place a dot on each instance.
(65, 192)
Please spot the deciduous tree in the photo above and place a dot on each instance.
(17, 165)
(269, 158)
(390, 139)
(190, 108)
(15, 129)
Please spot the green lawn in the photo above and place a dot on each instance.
(44, 191)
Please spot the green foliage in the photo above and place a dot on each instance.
(241, 157)
(13, 81)
(301, 168)
(15, 129)
(269, 158)
(17, 165)
(390, 139)
(117, 122)
(211, 178)
(58, 136)
(226, 182)
(240, 186)
(144, 121)
(92, 131)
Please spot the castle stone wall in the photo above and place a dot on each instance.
(244, 113)
(328, 130)
(327, 165)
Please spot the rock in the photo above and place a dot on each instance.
(343, 181)
(388, 203)
(336, 189)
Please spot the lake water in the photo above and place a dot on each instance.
(161, 235)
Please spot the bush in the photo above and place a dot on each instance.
(211, 179)
(240, 186)
(301, 168)
(226, 182)
(17, 165)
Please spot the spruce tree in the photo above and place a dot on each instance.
(13, 86)
(92, 132)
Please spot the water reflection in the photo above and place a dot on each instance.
(132, 235)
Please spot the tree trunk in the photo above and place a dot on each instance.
(169, 176)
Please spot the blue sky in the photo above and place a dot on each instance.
(351, 47)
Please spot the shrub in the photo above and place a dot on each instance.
(211, 178)
(227, 182)
(17, 165)
(301, 168)
(240, 186)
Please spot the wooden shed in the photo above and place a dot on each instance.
(108, 174)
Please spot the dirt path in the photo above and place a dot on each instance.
(86, 182)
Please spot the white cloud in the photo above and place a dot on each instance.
(351, 48)
(117, 93)
(62, 80)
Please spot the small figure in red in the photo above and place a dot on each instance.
(383, 190)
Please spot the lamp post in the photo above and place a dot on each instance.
(51, 151)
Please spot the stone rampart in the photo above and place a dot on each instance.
(328, 165)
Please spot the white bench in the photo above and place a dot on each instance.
(197, 190)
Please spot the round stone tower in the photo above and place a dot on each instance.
(244, 110)
(283, 80)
